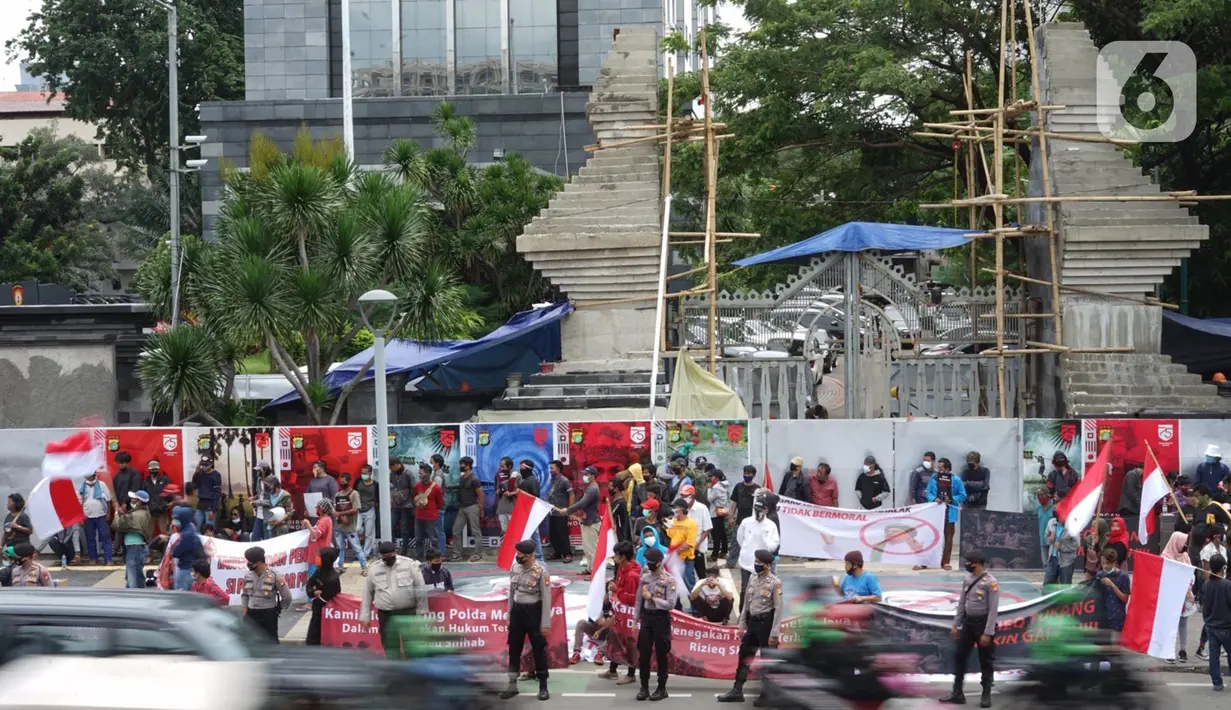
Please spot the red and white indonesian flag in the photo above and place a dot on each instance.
(1081, 504)
(1154, 489)
(528, 513)
(1155, 606)
(53, 506)
(602, 553)
(75, 457)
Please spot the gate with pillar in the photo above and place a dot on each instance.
(917, 353)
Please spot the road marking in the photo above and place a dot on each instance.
(1190, 685)
(587, 695)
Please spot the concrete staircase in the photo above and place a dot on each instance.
(584, 390)
(1124, 248)
(599, 238)
(1110, 383)
(1111, 247)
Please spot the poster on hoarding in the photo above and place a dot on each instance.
(1129, 440)
(487, 443)
(236, 452)
(722, 443)
(1042, 439)
(341, 448)
(166, 446)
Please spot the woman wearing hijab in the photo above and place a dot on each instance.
(1117, 539)
(1177, 550)
(1093, 542)
(322, 587)
(649, 540)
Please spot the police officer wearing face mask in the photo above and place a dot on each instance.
(657, 595)
(760, 620)
(395, 587)
(265, 593)
(529, 615)
(975, 626)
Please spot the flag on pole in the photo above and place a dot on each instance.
(769, 481)
(1156, 604)
(53, 506)
(75, 457)
(528, 512)
(602, 553)
(1081, 504)
(1154, 489)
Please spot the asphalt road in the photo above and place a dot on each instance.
(581, 687)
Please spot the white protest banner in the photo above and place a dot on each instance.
(287, 555)
(896, 536)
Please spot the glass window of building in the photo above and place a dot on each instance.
(371, 44)
(479, 68)
(424, 69)
(532, 45)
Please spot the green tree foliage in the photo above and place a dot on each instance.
(302, 235)
(108, 58)
(49, 230)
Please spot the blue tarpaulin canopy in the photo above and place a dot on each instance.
(863, 236)
(520, 345)
(1203, 345)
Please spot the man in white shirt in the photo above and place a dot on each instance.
(1216, 546)
(755, 533)
(700, 513)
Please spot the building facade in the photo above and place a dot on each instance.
(522, 69)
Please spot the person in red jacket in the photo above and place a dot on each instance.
(202, 584)
(627, 580)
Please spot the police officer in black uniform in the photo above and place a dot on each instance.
(760, 619)
(657, 595)
(529, 615)
(975, 627)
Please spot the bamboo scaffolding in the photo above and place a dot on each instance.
(737, 235)
(998, 210)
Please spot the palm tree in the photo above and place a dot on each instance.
(301, 236)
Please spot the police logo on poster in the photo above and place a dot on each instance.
(170, 442)
(297, 442)
(485, 437)
(540, 435)
(636, 435)
(447, 438)
(203, 444)
(393, 440)
(113, 443)
(1166, 432)
(576, 436)
(354, 440)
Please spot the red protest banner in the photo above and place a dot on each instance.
(478, 627)
(698, 648)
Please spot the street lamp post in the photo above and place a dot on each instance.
(378, 297)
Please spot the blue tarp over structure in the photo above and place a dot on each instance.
(863, 236)
(1203, 345)
(520, 345)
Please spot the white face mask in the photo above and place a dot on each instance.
(866, 468)
(585, 479)
(927, 465)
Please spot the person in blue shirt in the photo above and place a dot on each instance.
(188, 550)
(859, 586)
(1212, 471)
(949, 489)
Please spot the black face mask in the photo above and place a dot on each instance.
(653, 566)
(526, 471)
(389, 560)
(747, 479)
(436, 566)
(970, 567)
(759, 567)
